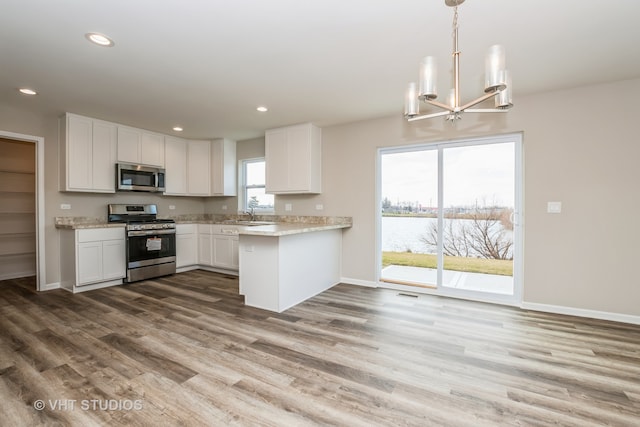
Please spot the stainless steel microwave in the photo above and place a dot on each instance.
(131, 177)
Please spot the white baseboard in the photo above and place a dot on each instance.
(359, 282)
(49, 286)
(580, 312)
(547, 308)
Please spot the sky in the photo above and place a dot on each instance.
(479, 174)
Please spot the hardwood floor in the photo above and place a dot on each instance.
(184, 350)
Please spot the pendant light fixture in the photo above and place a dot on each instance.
(497, 83)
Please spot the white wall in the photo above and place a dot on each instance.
(580, 148)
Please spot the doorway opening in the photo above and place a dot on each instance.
(450, 218)
(21, 210)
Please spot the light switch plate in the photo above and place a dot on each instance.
(172, 207)
(65, 206)
(288, 207)
(554, 207)
(319, 207)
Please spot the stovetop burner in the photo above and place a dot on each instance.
(138, 217)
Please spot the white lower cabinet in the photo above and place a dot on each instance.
(186, 245)
(218, 246)
(94, 258)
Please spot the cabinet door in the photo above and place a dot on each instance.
(235, 253)
(222, 251)
(79, 153)
(204, 249)
(152, 149)
(299, 155)
(175, 166)
(198, 168)
(113, 259)
(276, 160)
(129, 140)
(223, 168)
(186, 250)
(105, 140)
(89, 263)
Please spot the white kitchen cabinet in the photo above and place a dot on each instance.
(198, 167)
(187, 167)
(223, 168)
(87, 154)
(293, 157)
(98, 258)
(175, 166)
(218, 246)
(186, 245)
(205, 249)
(225, 251)
(142, 147)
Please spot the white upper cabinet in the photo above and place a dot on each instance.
(187, 167)
(293, 157)
(87, 154)
(198, 167)
(175, 166)
(140, 147)
(223, 168)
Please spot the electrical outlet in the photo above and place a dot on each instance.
(65, 206)
(172, 207)
(319, 207)
(554, 207)
(288, 207)
(224, 207)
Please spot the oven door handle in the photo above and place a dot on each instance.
(135, 233)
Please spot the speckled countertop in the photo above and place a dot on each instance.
(285, 224)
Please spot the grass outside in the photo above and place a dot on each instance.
(470, 265)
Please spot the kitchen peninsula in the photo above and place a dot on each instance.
(282, 265)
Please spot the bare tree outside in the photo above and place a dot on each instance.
(486, 233)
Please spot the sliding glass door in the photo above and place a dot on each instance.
(450, 217)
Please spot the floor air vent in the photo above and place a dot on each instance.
(402, 294)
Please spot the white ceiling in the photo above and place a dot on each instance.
(207, 64)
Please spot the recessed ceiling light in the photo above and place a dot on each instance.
(262, 109)
(99, 39)
(178, 129)
(27, 91)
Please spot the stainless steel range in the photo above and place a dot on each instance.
(151, 242)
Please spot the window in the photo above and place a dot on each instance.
(253, 187)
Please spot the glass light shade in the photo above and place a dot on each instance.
(503, 99)
(411, 107)
(428, 78)
(494, 66)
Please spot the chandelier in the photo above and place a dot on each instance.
(497, 83)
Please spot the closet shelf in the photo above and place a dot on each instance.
(17, 192)
(17, 235)
(17, 172)
(17, 254)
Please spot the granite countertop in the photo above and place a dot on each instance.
(82, 222)
(284, 229)
(284, 224)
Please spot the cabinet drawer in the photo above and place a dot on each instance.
(186, 228)
(204, 229)
(99, 234)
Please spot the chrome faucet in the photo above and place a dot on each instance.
(251, 214)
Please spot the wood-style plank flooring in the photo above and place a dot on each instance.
(184, 350)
